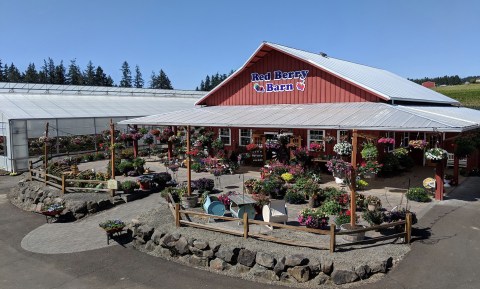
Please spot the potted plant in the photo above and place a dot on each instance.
(343, 220)
(53, 209)
(369, 151)
(343, 148)
(373, 203)
(386, 140)
(339, 168)
(369, 169)
(418, 194)
(435, 154)
(375, 217)
(417, 144)
(144, 182)
(249, 185)
(112, 226)
(129, 186)
(287, 177)
(312, 218)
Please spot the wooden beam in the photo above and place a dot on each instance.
(189, 169)
(112, 152)
(353, 180)
(332, 238)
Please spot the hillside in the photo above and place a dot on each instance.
(467, 94)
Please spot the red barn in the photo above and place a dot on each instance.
(428, 84)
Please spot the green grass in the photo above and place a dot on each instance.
(466, 94)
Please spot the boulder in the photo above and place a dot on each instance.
(381, 266)
(150, 246)
(92, 207)
(343, 276)
(181, 246)
(198, 261)
(145, 232)
(169, 241)
(300, 273)
(315, 267)
(279, 266)
(157, 236)
(259, 271)
(327, 265)
(163, 252)
(218, 264)
(246, 257)
(296, 260)
(228, 255)
(321, 279)
(202, 245)
(214, 246)
(240, 269)
(265, 259)
(363, 271)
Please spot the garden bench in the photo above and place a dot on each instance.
(241, 204)
(215, 208)
(275, 212)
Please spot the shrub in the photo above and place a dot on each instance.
(196, 167)
(332, 193)
(391, 165)
(203, 184)
(342, 218)
(294, 196)
(418, 194)
(369, 151)
(373, 217)
(331, 207)
(360, 201)
(399, 215)
(272, 187)
(373, 200)
(287, 177)
(125, 166)
(129, 185)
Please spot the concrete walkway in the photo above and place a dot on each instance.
(83, 235)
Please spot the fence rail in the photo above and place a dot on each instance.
(63, 183)
(332, 233)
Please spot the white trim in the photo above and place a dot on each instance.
(338, 134)
(240, 136)
(229, 135)
(309, 139)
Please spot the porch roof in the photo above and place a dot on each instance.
(361, 116)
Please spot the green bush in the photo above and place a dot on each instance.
(342, 218)
(332, 193)
(124, 167)
(129, 185)
(331, 207)
(196, 167)
(294, 196)
(391, 165)
(373, 217)
(418, 194)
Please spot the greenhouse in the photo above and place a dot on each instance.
(76, 116)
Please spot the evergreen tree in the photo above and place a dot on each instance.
(126, 75)
(5, 73)
(2, 74)
(48, 71)
(31, 74)
(109, 81)
(164, 81)
(138, 81)
(89, 75)
(60, 77)
(14, 74)
(208, 84)
(74, 75)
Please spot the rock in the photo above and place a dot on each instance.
(197, 252)
(343, 276)
(58, 200)
(185, 259)
(296, 260)
(150, 246)
(104, 204)
(78, 207)
(39, 207)
(363, 271)
(285, 277)
(240, 269)
(259, 271)
(92, 207)
(300, 273)
(321, 279)
(145, 232)
(315, 267)
(246, 257)
(218, 264)
(169, 241)
(47, 201)
(163, 252)
(265, 259)
(382, 266)
(198, 261)
(214, 246)
(202, 245)
(181, 246)
(228, 255)
(327, 265)
(157, 236)
(279, 266)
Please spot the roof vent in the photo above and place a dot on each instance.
(323, 54)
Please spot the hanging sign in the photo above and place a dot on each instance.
(291, 80)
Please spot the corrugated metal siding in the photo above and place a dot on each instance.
(321, 86)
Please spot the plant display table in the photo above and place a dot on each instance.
(240, 204)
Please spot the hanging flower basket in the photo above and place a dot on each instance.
(417, 144)
(343, 148)
(436, 154)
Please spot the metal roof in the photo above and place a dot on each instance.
(358, 115)
(381, 82)
(21, 105)
(95, 90)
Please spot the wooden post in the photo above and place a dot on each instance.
(456, 164)
(63, 184)
(177, 215)
(332, 238)
(353, 180)
(408, 228)
(170, 151)
(135, 142)
(439, 175)
(245, 225)
(112, 152)
(30, 168)
(264, 149)
(189, 169)
(45, 155)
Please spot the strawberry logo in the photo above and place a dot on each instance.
(301, 85)
(258, 87)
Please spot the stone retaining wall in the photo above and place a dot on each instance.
(240, 261)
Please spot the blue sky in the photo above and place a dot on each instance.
(190, 39)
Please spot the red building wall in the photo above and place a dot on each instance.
(321, 86)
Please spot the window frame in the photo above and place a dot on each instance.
(309, 139)
(240, 136)
(229, 136)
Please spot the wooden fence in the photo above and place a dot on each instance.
(332, 233)
(62, 183)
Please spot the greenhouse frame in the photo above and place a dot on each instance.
(71, 110)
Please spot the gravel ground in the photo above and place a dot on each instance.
(161, 218)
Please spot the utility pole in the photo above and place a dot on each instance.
(45, 153)
(112, 152)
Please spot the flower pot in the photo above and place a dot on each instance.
(144, 186)
(189, 202)
(353, 237)
(338, 180)
(372, 207)
(369, 175)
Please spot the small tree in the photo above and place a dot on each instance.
(126, 75)
(138, 81)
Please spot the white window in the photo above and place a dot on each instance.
(245, 136)
(406, 139)
(342, 135)
(316, 136)
(390, 147)
(225, 135)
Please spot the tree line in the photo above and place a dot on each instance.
(51, 73)
(211, 81)
(446, 80)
